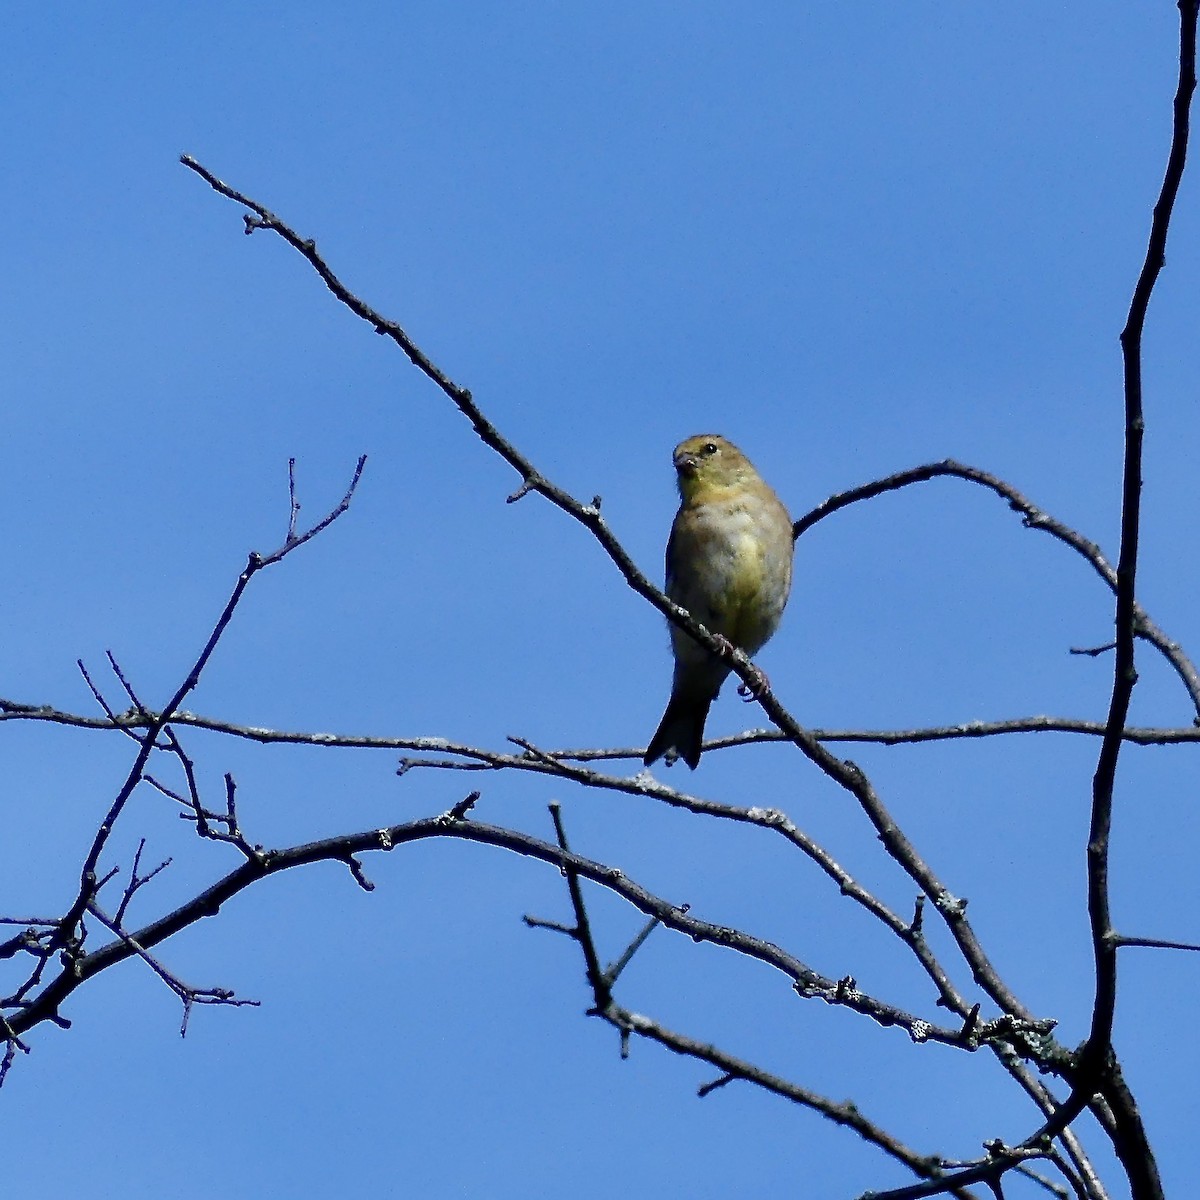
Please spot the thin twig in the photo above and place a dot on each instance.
(65, 934)
(1120, 940)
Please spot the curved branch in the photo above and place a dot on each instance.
(1032, 517)
(806, 982)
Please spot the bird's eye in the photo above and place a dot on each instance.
(709, 448)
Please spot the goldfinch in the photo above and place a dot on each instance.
(729, 563)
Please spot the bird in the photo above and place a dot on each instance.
(729, 563)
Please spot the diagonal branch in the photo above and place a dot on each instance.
(844, 1113)
(188, 995)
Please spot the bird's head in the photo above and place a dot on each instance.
(709, 461)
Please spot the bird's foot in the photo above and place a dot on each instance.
(725, 647)
(754, 688)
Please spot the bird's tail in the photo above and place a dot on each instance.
(681, 731)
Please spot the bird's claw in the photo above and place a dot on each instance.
(754, 688)
(725, 647)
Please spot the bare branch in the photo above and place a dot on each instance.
(1096, 1055)
(613, 971)
(806, 982)
(113, 720)
(643, 784)
(627, 1023)
(1032, 517)
(844, 1113)
(188, 995)
(599, 982)
(65, 936)
(1120, 940)
(116, 670)
(137, 881)
(13, 710)
(1097, 1067)
(294, 540)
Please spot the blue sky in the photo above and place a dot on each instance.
(852, 239)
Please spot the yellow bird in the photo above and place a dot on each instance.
(729, 563)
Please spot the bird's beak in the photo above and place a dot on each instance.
(685, 464)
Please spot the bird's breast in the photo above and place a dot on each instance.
(726, 575)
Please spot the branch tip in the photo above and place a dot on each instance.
(707, 1089)
(360, 877)
(460, 810)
